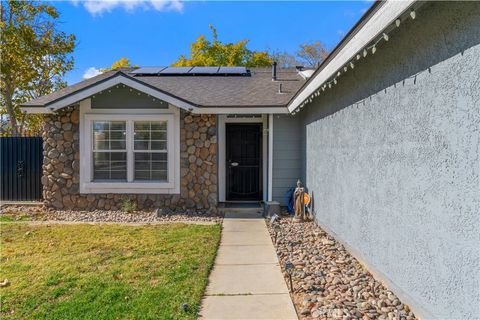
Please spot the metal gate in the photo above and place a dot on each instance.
(21, 168)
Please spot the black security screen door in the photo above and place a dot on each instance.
(244, 159)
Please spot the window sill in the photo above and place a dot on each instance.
(129, 187)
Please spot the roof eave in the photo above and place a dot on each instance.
(116, 78)
(34, 109)
(379, 17)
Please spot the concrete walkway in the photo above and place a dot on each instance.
(246, 281)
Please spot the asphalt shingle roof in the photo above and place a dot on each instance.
(258, 89)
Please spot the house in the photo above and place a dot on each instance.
(384, 134)
(391, 151)
(170, 137)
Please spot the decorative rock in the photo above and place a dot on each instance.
(329, 283)
(4, 283)
(74, 116)
(53, 153)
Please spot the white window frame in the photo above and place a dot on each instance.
(87, 185)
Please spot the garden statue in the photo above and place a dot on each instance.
(299, 203)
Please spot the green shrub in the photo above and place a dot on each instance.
(129, 206)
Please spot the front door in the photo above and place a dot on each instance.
(244, 159)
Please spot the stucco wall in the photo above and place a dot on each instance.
(198, 168)
(287, 155)
(392, 157)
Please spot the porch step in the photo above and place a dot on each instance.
(240, 207)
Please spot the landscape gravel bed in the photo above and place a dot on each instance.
(328, 282)
(38, 214)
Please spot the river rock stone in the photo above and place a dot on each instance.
(61, 168)
(328, 282)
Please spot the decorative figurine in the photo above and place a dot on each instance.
(298, 203)
(300, 200)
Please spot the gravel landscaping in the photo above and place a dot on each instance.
(328, 282)
(39, 214)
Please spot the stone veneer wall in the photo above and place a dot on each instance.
(198, 156)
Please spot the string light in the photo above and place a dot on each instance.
(373, 47)
(413, 15)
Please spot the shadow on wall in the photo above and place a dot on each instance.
(440, 31)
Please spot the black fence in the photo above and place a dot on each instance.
(21, 168)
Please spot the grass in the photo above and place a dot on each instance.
(104, 271)
(13, 218)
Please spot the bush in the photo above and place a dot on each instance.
(129, 206)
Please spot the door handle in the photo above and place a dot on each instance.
(234, 164)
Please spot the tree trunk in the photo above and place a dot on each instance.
(11, 112)
(22, 123)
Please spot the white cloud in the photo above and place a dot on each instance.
(91, 72)
(98, 7)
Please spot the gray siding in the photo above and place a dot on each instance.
(123, 97)
(287, 155)
(392, 152)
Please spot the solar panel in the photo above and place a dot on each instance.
(176, 70)
(147, 70)
(233, 70)
(191, 71)
(204, 70)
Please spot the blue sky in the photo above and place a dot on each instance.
(157, 32)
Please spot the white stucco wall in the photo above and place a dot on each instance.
(393, 160)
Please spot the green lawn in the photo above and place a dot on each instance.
(104, 271)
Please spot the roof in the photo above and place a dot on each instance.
(255, 90)
(367, 32)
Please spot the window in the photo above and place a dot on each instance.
(130, 153)
(150, 148)
(109, 150)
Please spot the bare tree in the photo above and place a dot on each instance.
(312, 54)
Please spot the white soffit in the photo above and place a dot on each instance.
(35, 110)
(374, 27)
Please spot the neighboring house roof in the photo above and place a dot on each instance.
(255, 90)
(367, 32)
